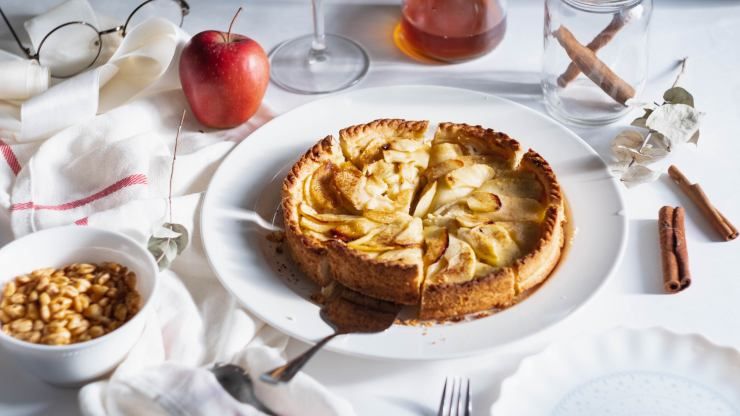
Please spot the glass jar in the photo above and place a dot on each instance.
(451, 30)
(595, 58)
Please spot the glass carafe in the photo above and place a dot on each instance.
(452, 30)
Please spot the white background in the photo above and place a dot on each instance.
(708, 31)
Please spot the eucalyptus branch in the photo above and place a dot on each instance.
(666, 125)
(642, 147)
(172, 168)
(169, 240)
(682, 70)
(682, 62)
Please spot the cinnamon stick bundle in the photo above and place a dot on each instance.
(595, 69)
(673, 250)
(720, 223)
(598, 42)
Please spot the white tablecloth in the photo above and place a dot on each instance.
(707, 31)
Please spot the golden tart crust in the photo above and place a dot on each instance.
(361, 212)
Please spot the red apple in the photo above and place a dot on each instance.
(224, 77)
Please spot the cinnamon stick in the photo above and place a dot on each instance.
(667, 254)
(680, 248)
(596, 70)
(720, 223)
(598, 42)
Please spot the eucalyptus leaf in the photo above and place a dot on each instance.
(164, 250)
(628, 145)
(618, 168)
(638, 174)
(167, 243)
(695, 138)
(627, 139)
(647, 155)
(678, 95)
(164, 232)
(639, 122)
(660, 140)
(677, 122)
(183, 239)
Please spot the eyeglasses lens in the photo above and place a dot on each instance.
(70, 49)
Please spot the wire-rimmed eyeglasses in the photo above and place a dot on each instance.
(64, 62)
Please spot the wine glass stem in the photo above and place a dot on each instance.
(318, 46)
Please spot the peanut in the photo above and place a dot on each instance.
(18, 298)
(32, 311)
(43, 283)
(82, 285)
(34, 336)
(62, 337)
(15, 311)
(95, 331)
(53, 289)
(93, 311)
(21, 325)
(103, 279)
(44, 299)
(72, 304)
(45, 313)
(9, 289)
(120, 312)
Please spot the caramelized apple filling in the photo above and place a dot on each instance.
(473, 209)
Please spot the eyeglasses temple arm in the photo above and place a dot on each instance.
(25, 50)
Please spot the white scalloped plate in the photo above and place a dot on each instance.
(250, 179)
(626, 372)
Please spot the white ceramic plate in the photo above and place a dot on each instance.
(626, 372)
(269, 286)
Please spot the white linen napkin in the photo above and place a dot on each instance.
(22, 79)
(111, 170)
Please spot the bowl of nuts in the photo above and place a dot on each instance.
(74, 301)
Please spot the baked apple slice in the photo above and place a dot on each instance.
(424, 203)
(459, 263)
(483, 202)
(436, 240)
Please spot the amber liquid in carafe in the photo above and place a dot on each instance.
(453, 30)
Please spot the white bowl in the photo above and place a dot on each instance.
(75, 364)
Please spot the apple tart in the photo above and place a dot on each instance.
(464, 222)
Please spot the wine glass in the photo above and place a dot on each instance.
(318, 63)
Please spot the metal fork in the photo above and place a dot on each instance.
(455, 399)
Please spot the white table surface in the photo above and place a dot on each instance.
(707, 31)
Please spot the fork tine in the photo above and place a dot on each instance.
(459, 404)
(457, 401)
(454, 396)
(451, 399)
(468, 401)
(464, 401)
(440, 412)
